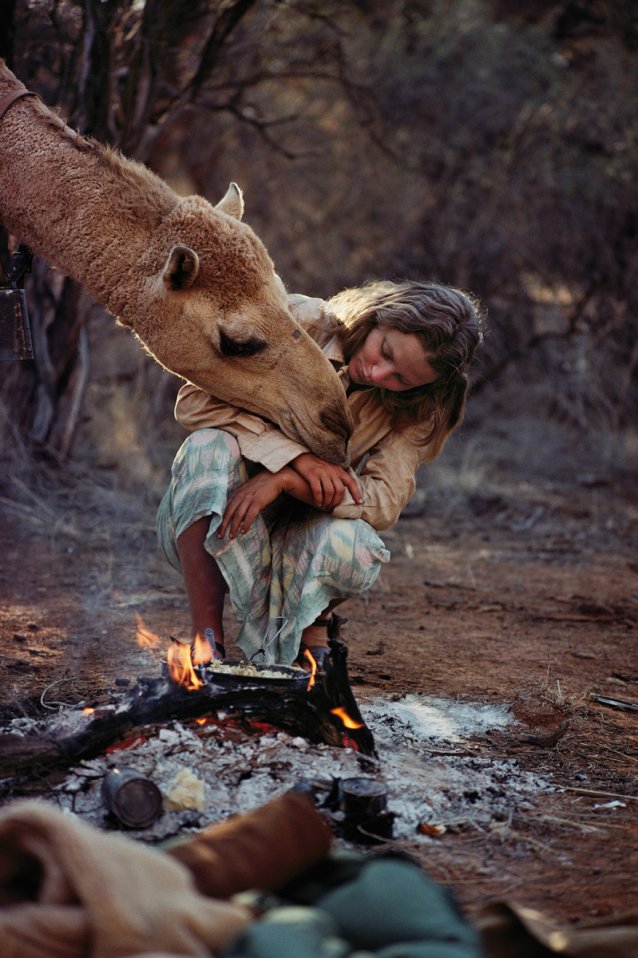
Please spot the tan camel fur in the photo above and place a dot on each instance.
(195, 285)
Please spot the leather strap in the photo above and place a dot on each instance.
(8, 100)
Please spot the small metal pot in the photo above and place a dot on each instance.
(363, 803)
(134, 800)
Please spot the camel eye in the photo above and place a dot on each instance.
(240, 347)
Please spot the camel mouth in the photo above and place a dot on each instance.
(327, 437)
(341, 427)
(337, 421)
(332, 448)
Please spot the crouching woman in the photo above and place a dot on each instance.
(253, 514)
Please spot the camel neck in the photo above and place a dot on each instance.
(55, 187)
(9, 99)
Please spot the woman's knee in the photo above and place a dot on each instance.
(206, 468)
(210, 444)
(209, 455)
(350, 552)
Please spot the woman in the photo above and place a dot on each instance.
(289, 536)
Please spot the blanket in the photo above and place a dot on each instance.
(68, 890)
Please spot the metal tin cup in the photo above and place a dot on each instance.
(363, 803)
(132, 799)
(364, 797)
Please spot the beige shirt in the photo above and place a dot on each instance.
(384, 459)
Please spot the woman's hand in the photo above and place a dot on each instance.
(246, 502)
(307, 478)
(327, 482)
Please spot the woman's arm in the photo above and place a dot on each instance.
(266, 445)
(388, 478)
(253, 496)
(327, 482)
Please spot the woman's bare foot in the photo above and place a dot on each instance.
(314, 642)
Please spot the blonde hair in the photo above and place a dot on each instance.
(449, 323)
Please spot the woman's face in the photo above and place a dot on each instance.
(391, 360)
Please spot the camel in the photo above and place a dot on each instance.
(194, 284)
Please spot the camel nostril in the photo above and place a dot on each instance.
(337, 421)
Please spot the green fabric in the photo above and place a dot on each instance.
(383, 908)
(393, 901)
(292, 932)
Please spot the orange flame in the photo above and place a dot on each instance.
(345, 718)
(180, 666)
(88, 711)
(201, 651)
(143, 636)
(308, 656)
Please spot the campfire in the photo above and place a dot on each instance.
(199, 741)
(317, 706)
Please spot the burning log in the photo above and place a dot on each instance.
(320, 708)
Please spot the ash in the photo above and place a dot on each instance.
(438, 780)
(429, 759)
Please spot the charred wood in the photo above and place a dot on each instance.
(300, 711)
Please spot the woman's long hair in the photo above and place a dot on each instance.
(448, 322)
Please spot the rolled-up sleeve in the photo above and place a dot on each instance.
(388, 479)
(258, 440)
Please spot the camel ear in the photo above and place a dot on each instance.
(233, 202)
(182, 267)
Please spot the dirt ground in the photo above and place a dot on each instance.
(514, 579)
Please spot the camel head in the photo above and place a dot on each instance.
(192, 281)
(219, 318)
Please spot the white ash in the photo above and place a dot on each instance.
(429, 757)
(420, 717)
(239, 774)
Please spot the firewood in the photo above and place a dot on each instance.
(326, 713)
